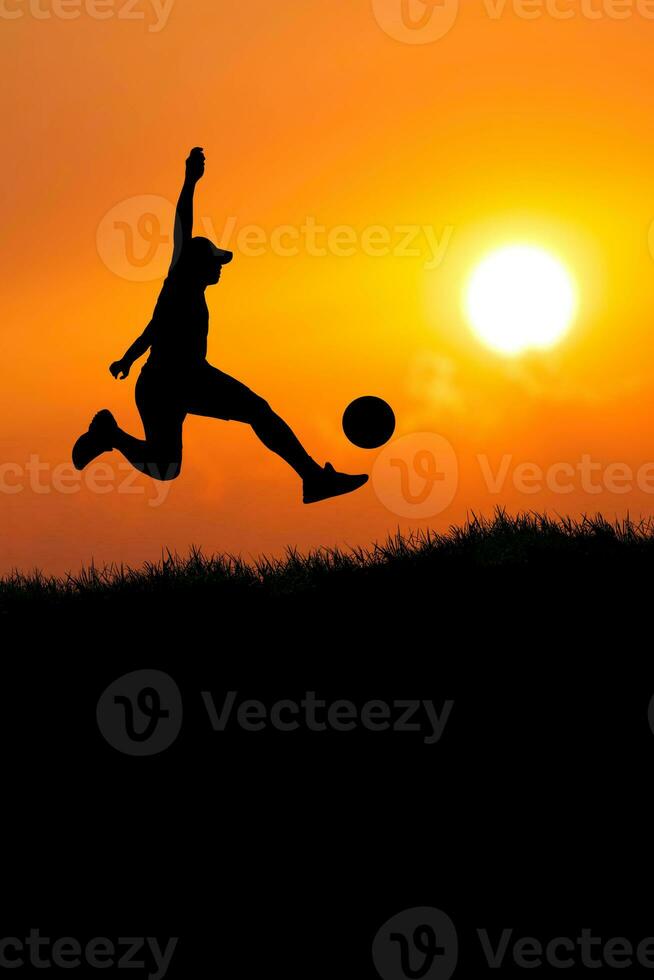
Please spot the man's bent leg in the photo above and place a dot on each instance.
(162, 412)
(161, 462)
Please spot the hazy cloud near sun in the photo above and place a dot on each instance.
(433, 378)
(549, 382)
(458, 391)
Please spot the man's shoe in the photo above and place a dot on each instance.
(328, 483)
(99, 439)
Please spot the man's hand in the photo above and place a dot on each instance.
(120, 369)
(195, 164)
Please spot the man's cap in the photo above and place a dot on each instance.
(223, 256)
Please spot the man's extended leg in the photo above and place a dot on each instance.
(277, 436)
(220, 396)
(319, 482)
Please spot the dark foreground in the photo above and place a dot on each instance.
(522, 801)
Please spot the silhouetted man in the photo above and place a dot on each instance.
(177, 380)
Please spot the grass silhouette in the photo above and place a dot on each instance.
(525, 543)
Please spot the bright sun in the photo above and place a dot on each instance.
(520, 298)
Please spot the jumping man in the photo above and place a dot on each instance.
(177, 380)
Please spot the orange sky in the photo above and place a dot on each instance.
(507, 128)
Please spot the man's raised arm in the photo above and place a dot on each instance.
(182, 234)
(184, 213)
